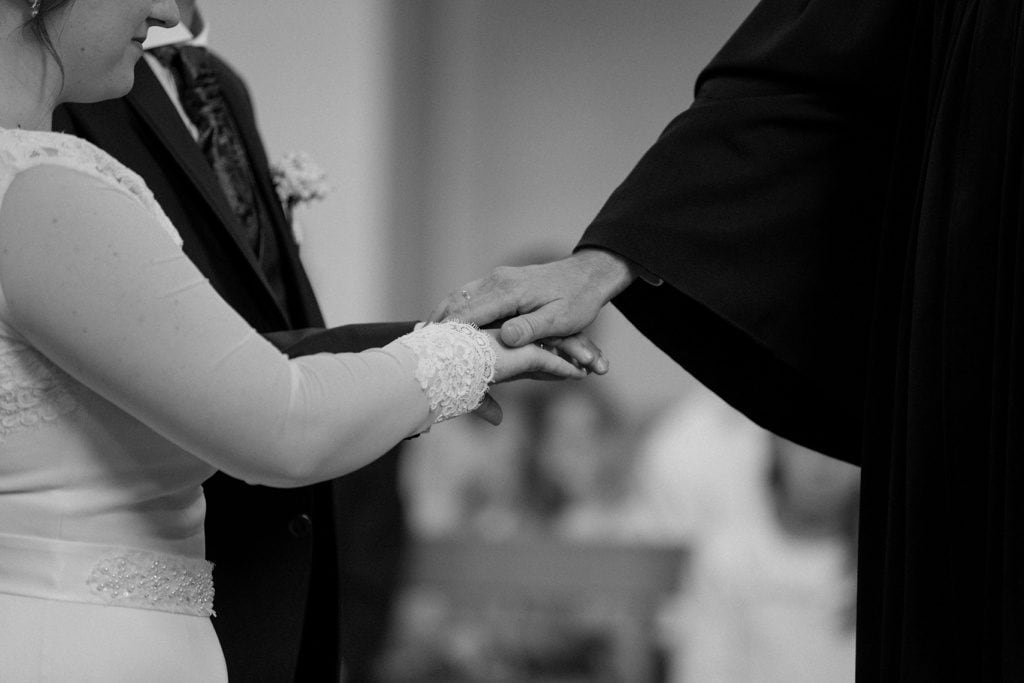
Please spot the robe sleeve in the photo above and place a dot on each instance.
(760, 208)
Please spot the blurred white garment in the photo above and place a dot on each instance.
(765, 607)
(701, 466)
(757, 604)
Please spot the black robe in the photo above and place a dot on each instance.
(837, 220)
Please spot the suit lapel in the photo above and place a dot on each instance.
(150, 102)
(306, 311)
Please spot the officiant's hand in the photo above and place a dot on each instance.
(550, 301)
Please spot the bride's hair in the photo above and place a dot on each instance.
(37, 25)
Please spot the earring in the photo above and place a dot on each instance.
(35, 8)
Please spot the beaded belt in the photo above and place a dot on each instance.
(106, 575)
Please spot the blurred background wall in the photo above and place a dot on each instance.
(462, 134)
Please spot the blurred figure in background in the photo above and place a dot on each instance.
(772, 601)
(700, 466)
(465, 480)
(560, 466)
(575, 461)
(769, 594)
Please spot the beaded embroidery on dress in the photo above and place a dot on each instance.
(138, 578)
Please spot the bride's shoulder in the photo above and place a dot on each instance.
(20, 147)
(44, 159)
(22, 150)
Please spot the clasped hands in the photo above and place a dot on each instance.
(544, 309)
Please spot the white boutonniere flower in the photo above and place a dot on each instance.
(298, 180)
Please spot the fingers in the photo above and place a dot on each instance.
(538, 363)
(580, 350)
(517, 331)
(548, 321)
(489, 410)
(454, 305)
(446, 309)
(557, 366)
(480, 302)
(555, 299)
(479, 312)
(555, 317)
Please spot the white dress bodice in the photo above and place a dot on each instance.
(76, 471)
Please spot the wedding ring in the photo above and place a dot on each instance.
(466, 295)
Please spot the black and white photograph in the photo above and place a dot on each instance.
(511, 341)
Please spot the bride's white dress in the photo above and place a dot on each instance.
(124, 382)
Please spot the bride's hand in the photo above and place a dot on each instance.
(532, 361)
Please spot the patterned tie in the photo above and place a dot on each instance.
(203, 101)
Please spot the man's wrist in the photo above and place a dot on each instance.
(608, 271)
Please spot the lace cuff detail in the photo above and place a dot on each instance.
(455, 365)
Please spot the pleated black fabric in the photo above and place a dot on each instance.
(838, 222)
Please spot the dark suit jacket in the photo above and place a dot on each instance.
(269, 546)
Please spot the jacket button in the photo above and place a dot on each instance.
(300, 526)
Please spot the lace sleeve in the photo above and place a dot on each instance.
(455, 365)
